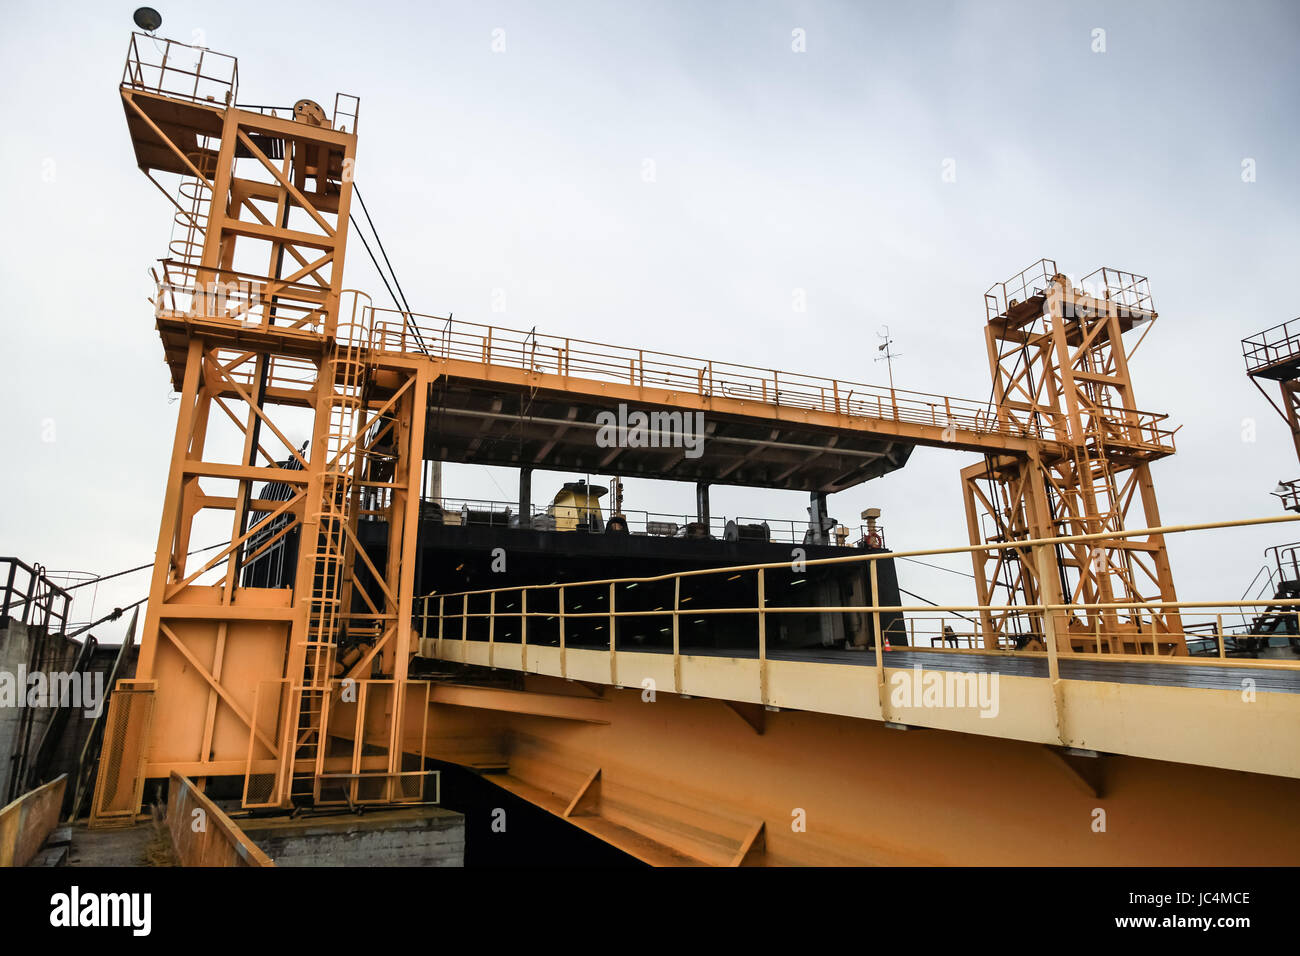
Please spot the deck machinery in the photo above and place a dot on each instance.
(305, 693)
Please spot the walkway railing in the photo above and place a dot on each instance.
(1280, 343)
(578, 358)
(159, 65)
(480, 512)
(662, 611)
(29, 596)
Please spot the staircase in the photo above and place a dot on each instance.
(1281, 577)
(1276, 620)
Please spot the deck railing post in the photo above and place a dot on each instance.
(613, 624)
(762, 638)
(523, 615)
(1049, 637)
(879, 642)
(9, 589)
(677, 646)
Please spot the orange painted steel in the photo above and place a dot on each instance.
(1060, 351)
(259, 334)
(27, 821)
(690, 782)
(202, 834)
(304, 692)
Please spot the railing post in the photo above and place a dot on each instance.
(677, 647)
(1218, 630)
(31, 594)
(492, 647)
(1049, 637)
(441, 607)
(523, 639)
(882, 696)
(762, 639)
(9, 588)
(613, 624)
(562, 631)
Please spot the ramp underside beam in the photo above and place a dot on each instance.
(675, 782)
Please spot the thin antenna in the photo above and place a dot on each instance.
(888, 355)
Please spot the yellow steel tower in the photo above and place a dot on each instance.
(1059, 359)
(259, 335)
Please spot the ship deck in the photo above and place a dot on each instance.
(1187, 673)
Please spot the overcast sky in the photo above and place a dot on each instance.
(522, 170)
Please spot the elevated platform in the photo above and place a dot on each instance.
(506, 397)
(558, 429)
(1274, 354)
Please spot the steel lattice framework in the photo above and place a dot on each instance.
(258, 331)
(1059, 356)
(303, 692)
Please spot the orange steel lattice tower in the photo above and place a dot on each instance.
(1059, 357)
(259, 335)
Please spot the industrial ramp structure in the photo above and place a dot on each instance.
(306, 693)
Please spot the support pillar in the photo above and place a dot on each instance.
(525, 497)
(817, 517)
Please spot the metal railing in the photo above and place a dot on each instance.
(509, 612)
(1286, 559)
(504, 514)
(1278, 344)
(477, 511)
(1033, 280)
(450, 339)
(31, 598)
(347, 112)
(180, 70)
(189, 291)
(347, 109)
(1130, 292)
(1133, 428)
